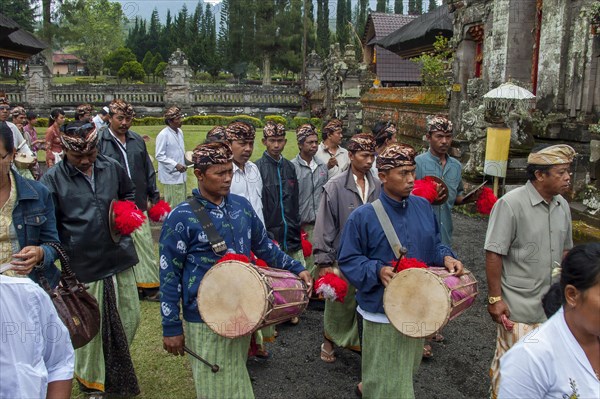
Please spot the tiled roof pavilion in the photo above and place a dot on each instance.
(389, 67)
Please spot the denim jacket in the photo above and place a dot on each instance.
(34, 222)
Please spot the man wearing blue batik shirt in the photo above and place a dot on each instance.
(186, 255)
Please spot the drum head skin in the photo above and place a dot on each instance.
(232, 299)
(188, 156)
(417, 303)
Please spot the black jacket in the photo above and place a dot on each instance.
(82, 217)
(280, 201)
(142, 171)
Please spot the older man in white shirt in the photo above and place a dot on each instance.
(170, 154)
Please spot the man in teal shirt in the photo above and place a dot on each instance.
(437, 162)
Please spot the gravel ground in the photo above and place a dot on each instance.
(459, 368)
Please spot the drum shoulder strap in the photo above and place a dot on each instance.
(388, 229)
(216, 241)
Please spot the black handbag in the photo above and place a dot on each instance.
(76, 307)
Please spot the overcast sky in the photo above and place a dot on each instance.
(143, 8)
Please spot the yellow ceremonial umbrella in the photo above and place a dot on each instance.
(502, 100)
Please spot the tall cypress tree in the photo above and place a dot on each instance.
(412, 7)
(322, 27)
(381, 6)
(432, 5)
(361, 16)
(419, 7)
(341, 24)
(398, 6)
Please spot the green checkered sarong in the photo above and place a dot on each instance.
(232, 381)
(175, 194)
(340, 321)
(146, 271)
(389, 361)
(89, 360)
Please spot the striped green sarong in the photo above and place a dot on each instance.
(340, 322)
(146, 271)
(89, 360)
(175, 194)
(232, 381)
(389, 361)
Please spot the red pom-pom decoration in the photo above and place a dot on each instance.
(307, 247)
(258, 262)
(408, 263)
(486, 201)
(231, 256)
(128, 217)
(331, 287)
(426, 188)
(160, 211)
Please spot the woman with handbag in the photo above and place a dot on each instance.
(27, 219)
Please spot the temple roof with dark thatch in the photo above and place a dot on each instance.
(418, 36)
(389, 67)
(17, 43)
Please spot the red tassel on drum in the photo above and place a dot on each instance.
(426, 188)
(407, 263)
(331, 287)
(160, 211)
(307, 247)
(486, 201)
(258, 262)
(231, 256)
(128, 217)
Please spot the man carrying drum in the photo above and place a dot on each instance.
(389, 358)
(188, 251)
(528, 234)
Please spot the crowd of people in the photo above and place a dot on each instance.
(350, 204)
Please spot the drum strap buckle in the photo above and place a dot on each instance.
(217, 243)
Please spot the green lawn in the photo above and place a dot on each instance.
(194, 135)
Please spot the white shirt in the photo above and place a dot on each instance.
(548, 363)
(35, 345)
(18, 139)
(341, 155)
(99, 122)
(248, 184)
(170, 151)
(364, 195)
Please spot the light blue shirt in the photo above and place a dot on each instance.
(430, 165)
(36, 347)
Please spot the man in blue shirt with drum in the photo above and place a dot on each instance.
(187, 252)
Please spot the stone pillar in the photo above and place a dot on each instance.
(178, 74)
(553, 56)
(37, 84)
(314, 74)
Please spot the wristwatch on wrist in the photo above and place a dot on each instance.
(493, 299)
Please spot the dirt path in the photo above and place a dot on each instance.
(459, 368)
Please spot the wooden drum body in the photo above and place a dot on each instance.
(419, 302)
(236, 298)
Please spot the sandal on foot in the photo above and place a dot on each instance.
(427, 354)
(262, 354)
(438, 338)
(327, 357)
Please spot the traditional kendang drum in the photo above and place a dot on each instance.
(419, 302)
(237, 298)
